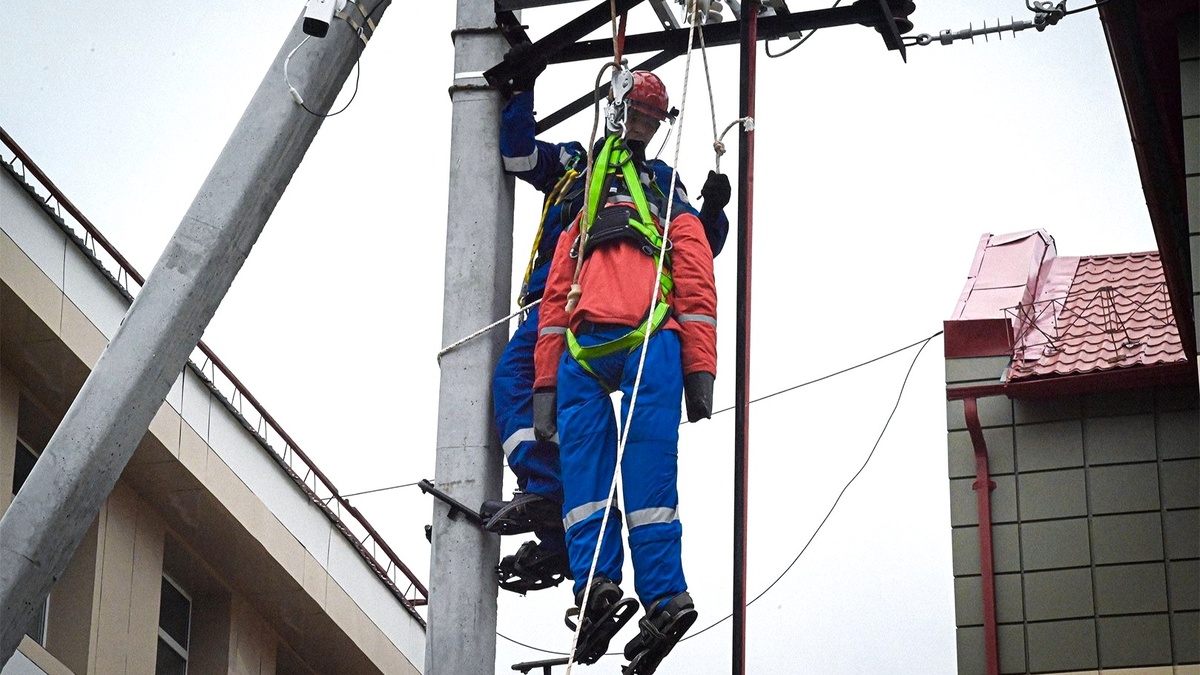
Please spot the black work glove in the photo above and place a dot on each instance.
(545, 413)
(715, 192)
(526, 65)
(697, 394)
(716, 195)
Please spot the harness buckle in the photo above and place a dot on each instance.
(652, 250)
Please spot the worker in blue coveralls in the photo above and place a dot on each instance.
(556, 170)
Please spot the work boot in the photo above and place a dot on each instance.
(533, 568)
(665, 623)
(525, 512)
(607, 612)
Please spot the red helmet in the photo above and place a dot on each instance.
(649, 95)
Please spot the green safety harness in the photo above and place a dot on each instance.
(616, 161)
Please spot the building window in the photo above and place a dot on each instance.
(37, 629)
(174, 623)
(23, 462)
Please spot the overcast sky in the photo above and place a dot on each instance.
(874, 182)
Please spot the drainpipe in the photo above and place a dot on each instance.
(986, 567)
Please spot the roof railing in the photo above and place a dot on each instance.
(315, 484)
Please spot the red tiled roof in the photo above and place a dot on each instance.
(1095, 313)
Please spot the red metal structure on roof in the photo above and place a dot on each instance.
(1059, 319)
(1115, 313)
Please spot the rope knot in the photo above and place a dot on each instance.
(719, 148)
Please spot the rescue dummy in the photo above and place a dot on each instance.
(556, 170)
(583, 356)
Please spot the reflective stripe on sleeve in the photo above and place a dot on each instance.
(553, 330)
(581, 512)
(702, 318)
(519, 164)
(565, 157)
(658, 514)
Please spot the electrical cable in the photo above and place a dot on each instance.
(367, 21)
(829, 513)
(753, 400)
(789, 50)
(1084, 9)
(300, 100)
(382, 489)
(925, 342)
(833, 374)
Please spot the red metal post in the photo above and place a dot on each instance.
(983, 487)
(741, 425)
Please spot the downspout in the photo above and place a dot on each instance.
(986, 568)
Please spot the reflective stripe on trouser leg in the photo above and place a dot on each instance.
(587, 433)
(650, 471)
(534, 463)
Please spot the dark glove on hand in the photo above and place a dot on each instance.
(545, 414)
(697, 394)
(527, 65)
(716, 191)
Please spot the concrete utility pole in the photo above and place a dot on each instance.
(461, 638)
(74, 476)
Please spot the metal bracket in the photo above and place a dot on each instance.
(456, 507)
(665, 16)
(887, 28)
(545, 665)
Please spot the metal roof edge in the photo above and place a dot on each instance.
(1159, 375)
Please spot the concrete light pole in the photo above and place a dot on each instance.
(461, 638)
(74, 476)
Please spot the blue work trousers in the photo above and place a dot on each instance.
(649, 468)
(535, 463)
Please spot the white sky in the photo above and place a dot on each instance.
(875, 180)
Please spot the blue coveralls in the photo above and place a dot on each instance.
(649, 467)
(541, 164)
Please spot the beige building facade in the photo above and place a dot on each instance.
(211, 555)
(1074, 410)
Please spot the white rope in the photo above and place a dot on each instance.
(481, 331)
(718, 146)
(612, 489)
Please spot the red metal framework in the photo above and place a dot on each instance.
(315, 484)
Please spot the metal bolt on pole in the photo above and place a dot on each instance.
(80, 466)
